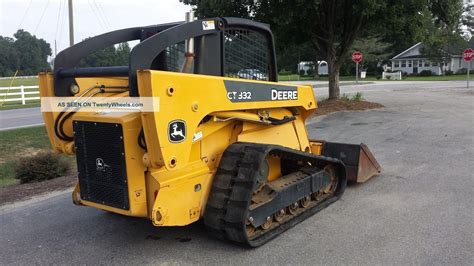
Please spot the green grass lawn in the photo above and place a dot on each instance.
(371, 78)
(293, 77)
(11, 106)
(18, 143)
(440, 78)
(19, 82)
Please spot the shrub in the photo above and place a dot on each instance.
(448, 72)
(345, 97)
(285, 72)
(39, 167)
(302, 72)
(461, 71)
(310, 72)
(425, 73)
(357, 97)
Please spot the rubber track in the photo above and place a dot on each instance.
(235, 181)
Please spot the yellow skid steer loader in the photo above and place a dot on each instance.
(225, 143)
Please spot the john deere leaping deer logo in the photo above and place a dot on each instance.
(176, 131)
(100, 165)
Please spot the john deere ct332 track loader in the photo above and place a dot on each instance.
(227, 144)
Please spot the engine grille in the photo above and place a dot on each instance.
(101, 163)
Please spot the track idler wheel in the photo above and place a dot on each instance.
(331, 187)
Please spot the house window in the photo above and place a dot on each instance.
(435, 64)
(409, 63)
(404, 63)
(427, 63)
(396, 64)
(415, 63)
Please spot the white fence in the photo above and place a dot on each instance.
(392, 75)
(6, 92)
(19, 77)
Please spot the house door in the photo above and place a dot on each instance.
(415, 70)
(415, 67)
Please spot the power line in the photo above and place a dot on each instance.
(24, 15)
(41, 18)
(104, 15)
(57, 22)
(96, 16)
(63, 22)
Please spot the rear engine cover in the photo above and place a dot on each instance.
(101, 163)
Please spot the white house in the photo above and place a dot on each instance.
(411, 61)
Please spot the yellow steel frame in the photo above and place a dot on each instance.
(173, 180)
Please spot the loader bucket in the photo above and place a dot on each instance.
(360, 162)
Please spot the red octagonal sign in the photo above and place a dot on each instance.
(468, 54)
(357, 57)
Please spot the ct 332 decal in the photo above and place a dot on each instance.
(238, 91)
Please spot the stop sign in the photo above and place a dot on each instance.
(357, 57)
(468, 54)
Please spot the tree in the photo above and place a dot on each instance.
(332, 26)
(375, 52)
(399, 24)
(122, 54)
(443, 37)
(109, 56)
(32, 53)
(25, 53)
(466, 23)
(100, 58)
(9, 61)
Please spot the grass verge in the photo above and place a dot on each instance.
(19, 82)
(17, 143)
(352, 78)
(12, 106)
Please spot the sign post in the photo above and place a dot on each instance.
(468, 54)
(357, 58)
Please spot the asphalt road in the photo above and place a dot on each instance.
(27, 117)
(17, 118)
(419, 211)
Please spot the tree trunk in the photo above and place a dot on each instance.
(316, 70)
(333, 69)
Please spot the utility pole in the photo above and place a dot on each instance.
(71, 24)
